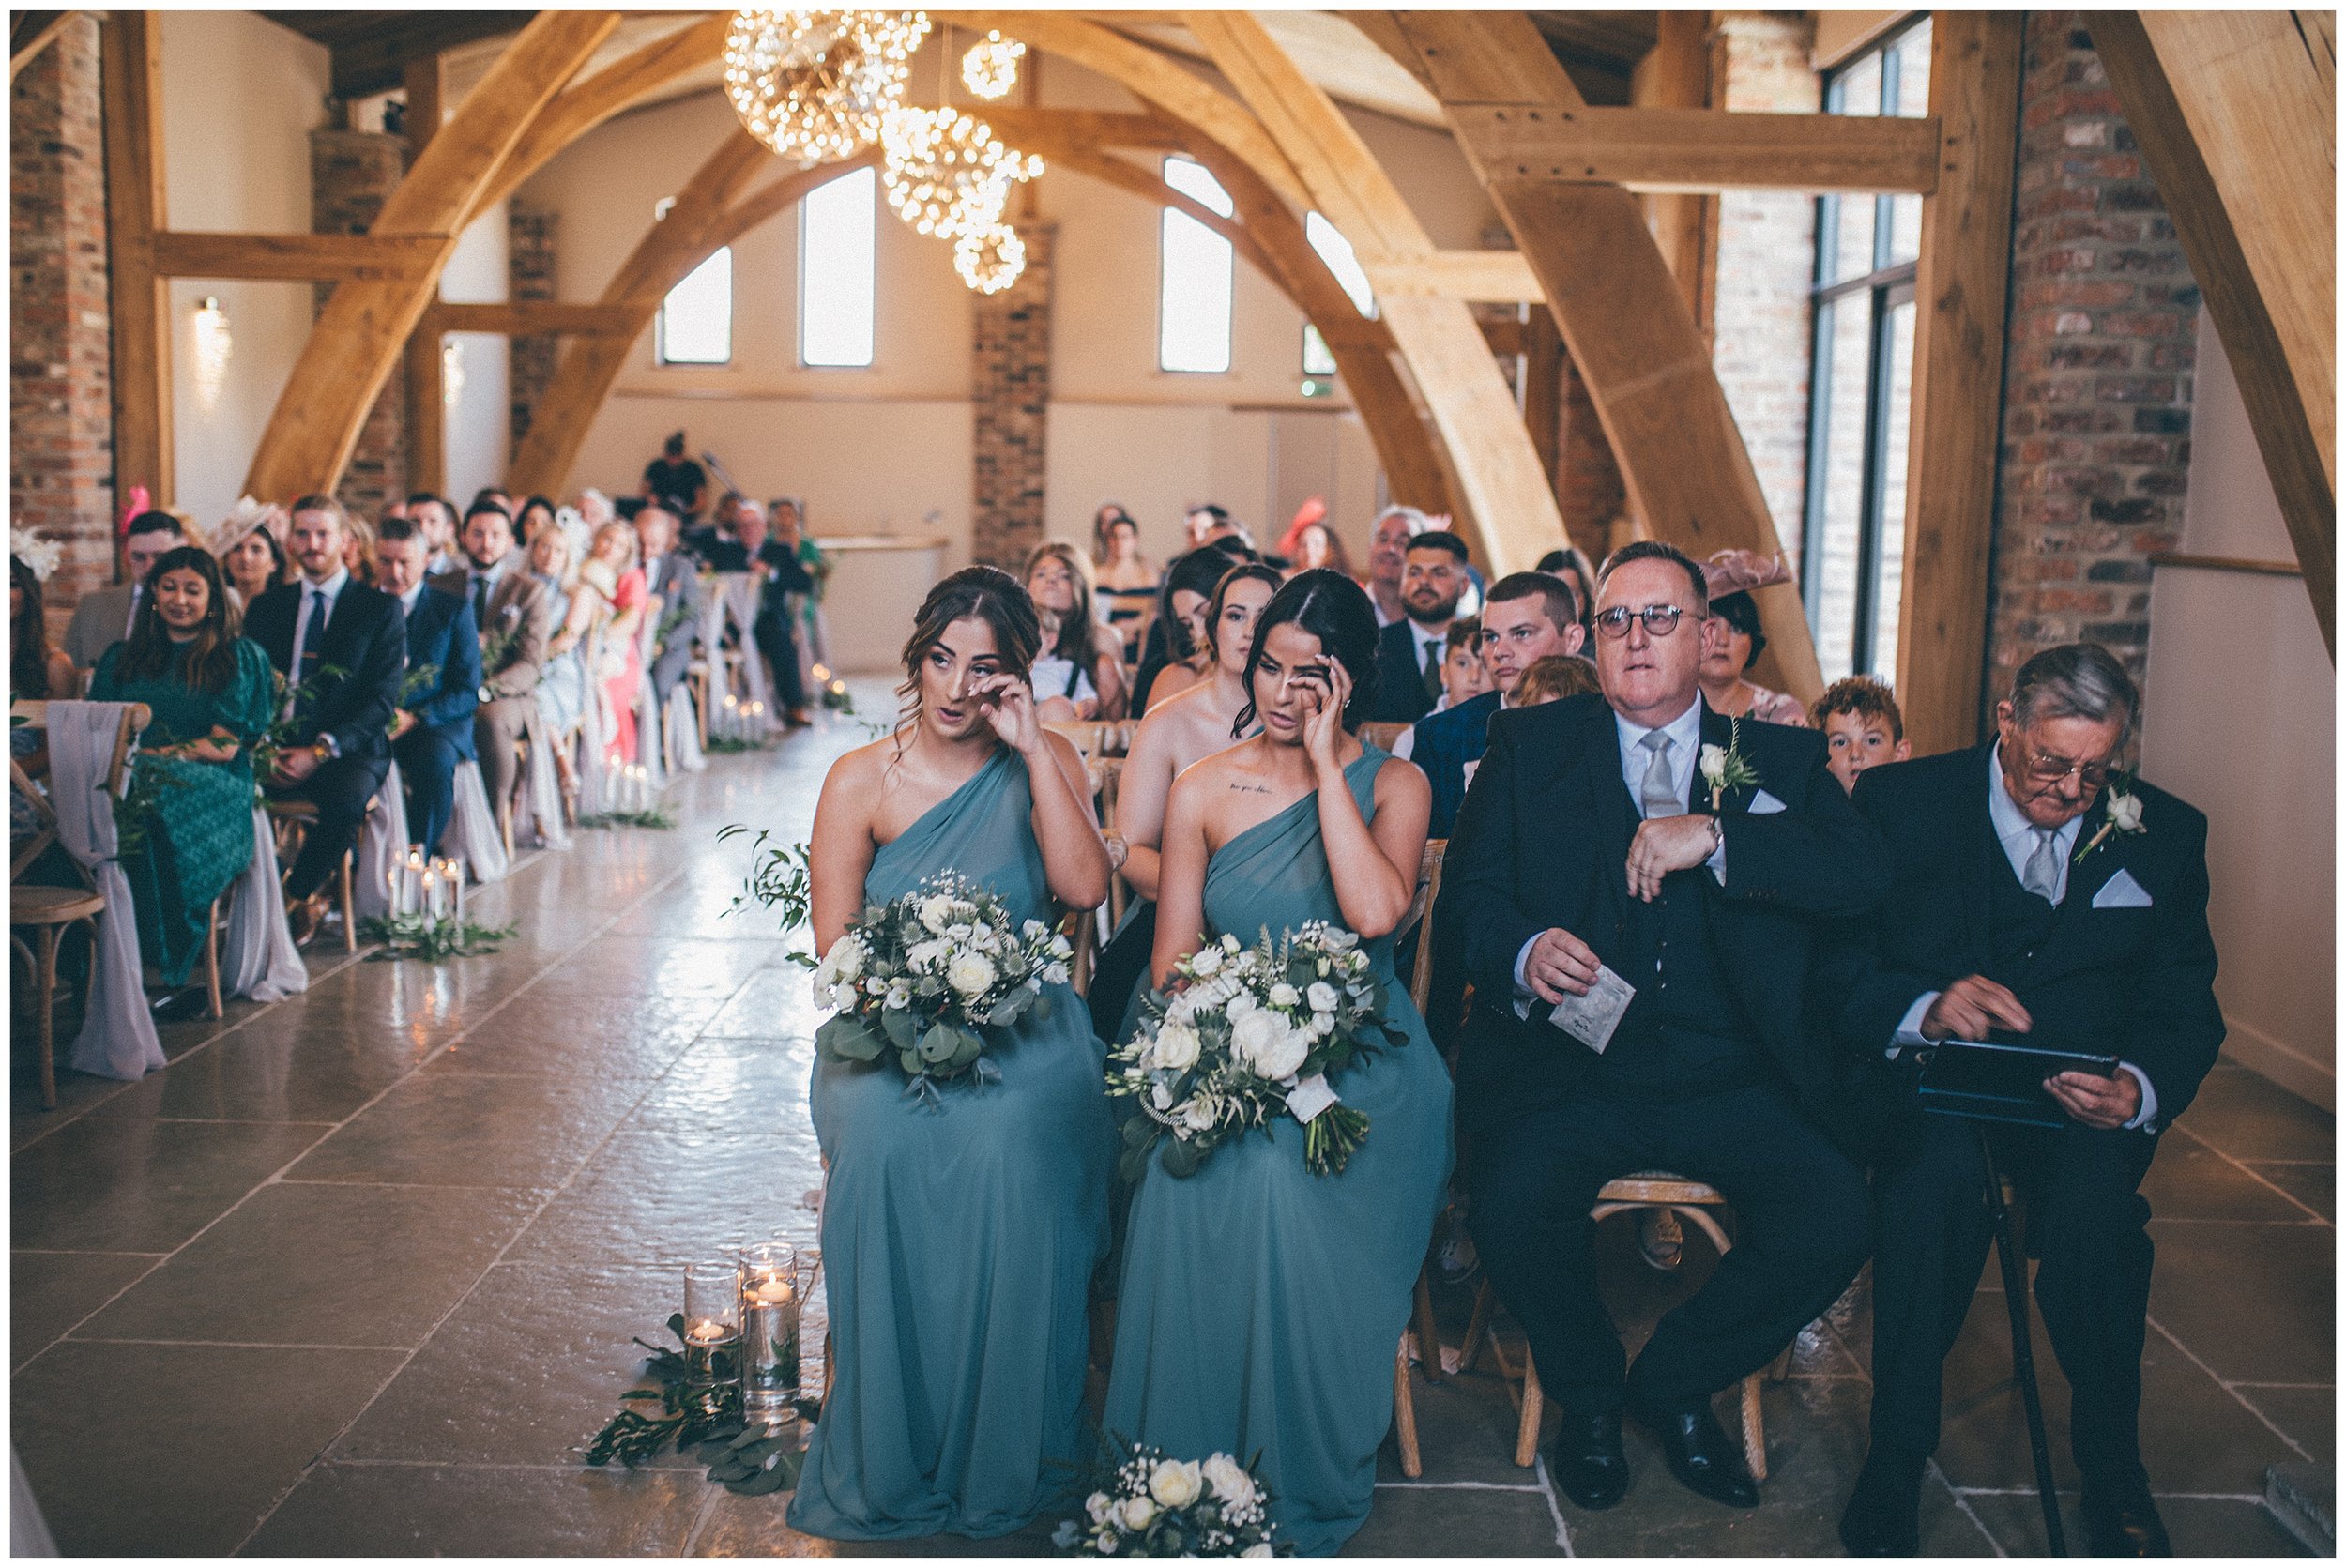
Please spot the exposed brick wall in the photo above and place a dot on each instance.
(60, 372)
(532, 239)
(2097, 382)
(1011, 389)
(1766, 257)
(351, 173)
(1589, 489)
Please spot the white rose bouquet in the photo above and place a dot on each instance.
(1153, 1506)
(1249, 1034)
(925, 974)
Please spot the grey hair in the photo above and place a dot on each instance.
(1417, 520)
(2076, 680)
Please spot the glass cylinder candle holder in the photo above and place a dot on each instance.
(712, 1335)
(411, 886)
(456, 891)
(770, 1294)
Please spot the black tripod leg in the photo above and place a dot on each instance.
(2023, 1348)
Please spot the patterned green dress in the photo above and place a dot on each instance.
(199, 837)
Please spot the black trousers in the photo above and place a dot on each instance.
(780, 648)
(428, 757)
(1800, 1233)
(2086, 1225)
(339, 790)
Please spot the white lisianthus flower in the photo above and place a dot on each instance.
(1031, 930)
(2126, 811)
(1284, 994)
(971, 973)
(1230, 1480)
(936, 912)
(1323, 1024)
(1206, 961)
(1161, 1097)
(1322, 996)
(1180, 1010)
(1138, 1511)
(1238, 1006)
(1176, 1048)
(875, 986)
(845, 959)
(1174, 1483)
(1096, 1507)
(899, 993)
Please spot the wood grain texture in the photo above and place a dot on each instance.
(425, 380)
(1661, 149)
(325, 258)
(130, 70)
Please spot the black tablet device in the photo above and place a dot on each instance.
(1995, 1081)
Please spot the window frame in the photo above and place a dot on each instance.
(1164, 216)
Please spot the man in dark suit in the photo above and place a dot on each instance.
(2033, 890)
(675, 578)
(1595, 849)
(1530, 615)
(432, 731)
(515, 620)
(342, 647)
(103, 616)
(1409, 652)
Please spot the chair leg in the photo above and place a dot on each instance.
(45, 999)
(1754, 1438)
(1428, 1336)
(1477, 1321)
(1405, 1415)
(211, 959)
(346, 877)
(1534, 1404)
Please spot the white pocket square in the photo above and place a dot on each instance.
(1469, 770)
(2122, 891)
(1764, 804)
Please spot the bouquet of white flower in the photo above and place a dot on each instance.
(1153, 1506)
(925, 973)
(1249, 1034)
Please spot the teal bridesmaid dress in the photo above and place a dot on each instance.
(1261, 1304)
(959, 1243)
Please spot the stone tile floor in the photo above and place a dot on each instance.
(356, 1273)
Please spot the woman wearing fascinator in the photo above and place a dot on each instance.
(1732, 640)
(250, 557)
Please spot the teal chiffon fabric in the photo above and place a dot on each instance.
(1261, 1304)
(959, 1244)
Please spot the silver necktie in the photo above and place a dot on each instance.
(1657, 794)
(2041, 874)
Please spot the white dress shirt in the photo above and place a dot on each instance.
(2017, 835)
(408, 600)
(328, 590)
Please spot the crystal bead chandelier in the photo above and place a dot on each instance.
(990, 69)
(815, 85)
(946, 175)
(990, 259)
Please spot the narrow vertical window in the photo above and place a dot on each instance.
(1336, 251)
(697, 317)
(1193, 296)
(838, 230)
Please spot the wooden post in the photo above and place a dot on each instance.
(130, 65)
(1960, 286)
(1677, 75)
(1544, 391)
(427, 406)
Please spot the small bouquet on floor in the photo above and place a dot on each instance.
(1153, 1506)
(1249, 1034)
(925, 974)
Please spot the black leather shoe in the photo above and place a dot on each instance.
(1586, 1462)
(2122, 1521)
(1884, 1513)
(178, 1006)
(1700, 1454)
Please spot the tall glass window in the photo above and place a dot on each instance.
(1853, 538)
(1195, 278)
(838, 231)
(697, 317)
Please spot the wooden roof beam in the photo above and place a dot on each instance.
(1700, 150)
(323, 258)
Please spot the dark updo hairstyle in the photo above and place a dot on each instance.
(208, 663)
(1740, 612)
(28, 650)
(1199, 571)
(1253, 571)
(990, 595)
(1334, 609)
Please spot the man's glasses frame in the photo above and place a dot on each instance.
(1660, 620)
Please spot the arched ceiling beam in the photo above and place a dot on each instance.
(365, 325)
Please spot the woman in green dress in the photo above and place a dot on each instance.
(211, 692)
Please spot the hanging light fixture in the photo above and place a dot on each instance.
(214, 345)
(990, 69)
(990, 260)
(812, 85)
(946, 175)
(451, 372)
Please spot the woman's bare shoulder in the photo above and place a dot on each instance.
(858, 775)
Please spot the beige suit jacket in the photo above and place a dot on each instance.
(518, 607)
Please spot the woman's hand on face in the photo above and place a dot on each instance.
(1323, 731)
(1008, 704)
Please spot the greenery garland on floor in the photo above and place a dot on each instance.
(656, 817)
(752, 1460)
(433, 941)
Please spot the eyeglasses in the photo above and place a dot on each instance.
(2047, 770)
(1660, 620)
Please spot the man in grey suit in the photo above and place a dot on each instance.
(103, 618)
(514, 616)
(673, 578)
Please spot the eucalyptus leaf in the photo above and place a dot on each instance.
(899, 1025)
(941, 1044)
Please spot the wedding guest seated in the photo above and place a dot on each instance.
(1597, 863)
(1388, 545)
(436, 516)
(776, 565)
(1409, 651)
(1574, 568)
(1862, 726)
(211, 693)
(1128, 580)
(1557, 676)
(432, 730)
(36, 673)
(1531, 617)
(105, 615)
(2039, 890)
(510, 612)
(340, 646)
(617, 584)
(1078, 674)
(1733, 641)
(535, 514)
(250, 559)
(1463, 674)
(1176, 654)
(555, 557)
(673, 578)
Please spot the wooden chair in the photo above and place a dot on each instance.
(1429, 1338)
(49, 910)
(1381, 736)
(221, 908)
(1096, 738)
(1107, 774)
(291, 819)
(696, 677)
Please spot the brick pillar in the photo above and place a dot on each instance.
(1589, 489)
(1766, 259)
(1010, 391)
(60, 362)
(531, 233)
(351, 173)
(2098, 381)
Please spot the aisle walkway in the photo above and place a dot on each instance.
(356, 1273)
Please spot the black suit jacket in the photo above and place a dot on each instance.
(1543, 840)
(365, 640)
(1401, 694)
(2137, 983)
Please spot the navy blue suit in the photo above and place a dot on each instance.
(442, 639)
(1401, 694)
(1445, 744)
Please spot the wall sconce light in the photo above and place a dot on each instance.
(451, 372)
(214, 344)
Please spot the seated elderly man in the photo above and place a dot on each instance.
(2039, 891)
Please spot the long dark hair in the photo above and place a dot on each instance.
(28, 651)
(1334, 609)
(208, 663)
(1199, 572)
(1252, 572)
(1077, 640)
(990, 595)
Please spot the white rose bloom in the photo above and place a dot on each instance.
(1260, 1549)
(1230, 1480)
(1713, 763)
(1322, 996)
(1096, 1506)
(1286, 1059)
(1252, 1032)
(1176, 1046)
(1323, 1024)
(936, 912)
(1284, 994)
(971, 973)
(1206, 961)
(899, 993)
(1238, 1006)
(1138, 1511)
(1200, 1114)
(1175, 1483)
(2127, 812)
(844, 961)
(1230, 943)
